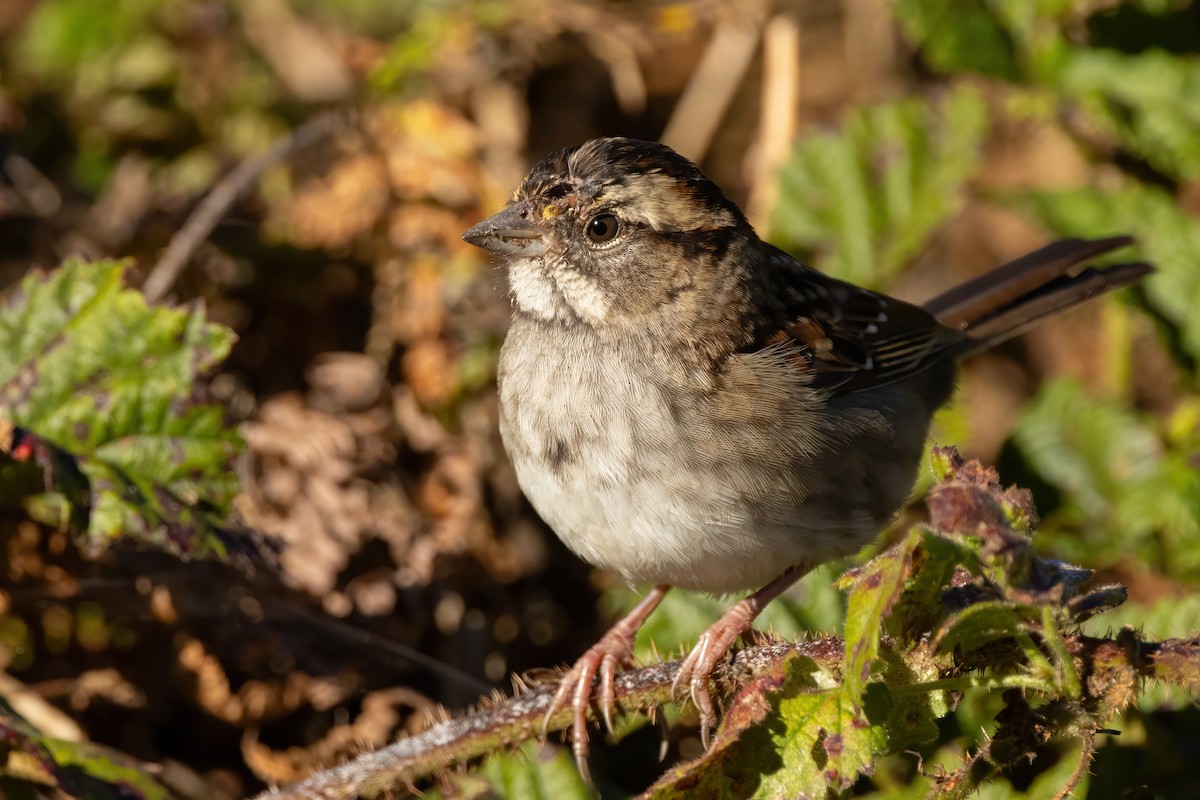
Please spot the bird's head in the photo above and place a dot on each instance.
(614, 232)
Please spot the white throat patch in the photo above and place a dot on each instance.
(548, 293)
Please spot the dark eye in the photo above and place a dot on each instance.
(602, 228)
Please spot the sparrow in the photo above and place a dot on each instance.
(689, 406)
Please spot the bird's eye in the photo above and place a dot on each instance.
(602, 228)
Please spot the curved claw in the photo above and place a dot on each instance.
(576, 685)
(607, 695)
(600, 661)
(696, 670)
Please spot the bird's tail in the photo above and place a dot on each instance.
(1009, 299)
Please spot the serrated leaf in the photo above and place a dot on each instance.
(812, 605)
(790, 733)
(867, 198)
(954, 35)
(1091, 449)
(105, 391)
(874, 588)
(534, 772)
(909, 716)
(920, 604)
(1115, 474)
(1149, 101)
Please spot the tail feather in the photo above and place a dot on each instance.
(1009, 299)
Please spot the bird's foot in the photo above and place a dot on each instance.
(597, 669)
(696, 670)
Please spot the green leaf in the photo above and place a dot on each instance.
(1091, 449)
(920, 605)
(60, 36)
(812, 605)
(1150, 102)
(874, 588)
(79, 769)
(106, 393)
(792, 732)
(960, 36)
(867, 198)
(979, 625)
(534, 772)
(1119, 481)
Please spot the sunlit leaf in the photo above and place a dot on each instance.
(957, 35)
(105, 394)
(1150, 102)
(817, 741)
(77, 769)
(874, 589)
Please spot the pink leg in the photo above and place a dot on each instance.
(602, 659)
(697, 668)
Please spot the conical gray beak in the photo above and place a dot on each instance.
(507, 233)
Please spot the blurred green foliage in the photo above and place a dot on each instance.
(1129, 486)
(1146, 102)
(868, 197)
(74, 769)
(864, 200)
(531, 773)
(1167, 234)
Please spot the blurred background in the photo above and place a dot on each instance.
(903, 145)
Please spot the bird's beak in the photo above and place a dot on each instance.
(507, 234)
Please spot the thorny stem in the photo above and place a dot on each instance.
(973, 681)
(508, 722)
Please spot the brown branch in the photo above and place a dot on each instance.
(217, 202)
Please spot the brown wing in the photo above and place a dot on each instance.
(850, 338)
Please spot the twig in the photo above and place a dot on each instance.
(713, 85)
(1086, 753)
(217, 202)
(778, 114)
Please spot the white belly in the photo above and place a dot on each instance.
(632, 482)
